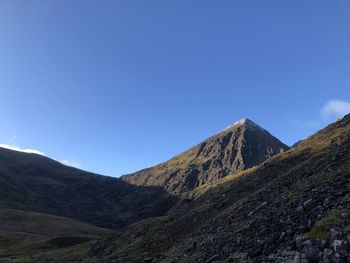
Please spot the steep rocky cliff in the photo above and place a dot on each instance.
(240, 146)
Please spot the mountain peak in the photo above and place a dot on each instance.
(243, 122)
(242, 145)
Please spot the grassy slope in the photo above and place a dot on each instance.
(245, 210)
(23, 233)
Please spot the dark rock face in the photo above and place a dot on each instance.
(238, 147)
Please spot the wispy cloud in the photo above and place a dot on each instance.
(335, 109)
(19, 149)
(71, 163)
(330, 111)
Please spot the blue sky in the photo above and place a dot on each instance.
(116, 86)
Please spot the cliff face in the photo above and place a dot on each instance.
(240, 146)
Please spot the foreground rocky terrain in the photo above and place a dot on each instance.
(293, 206)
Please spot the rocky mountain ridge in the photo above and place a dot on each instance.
(236, 148)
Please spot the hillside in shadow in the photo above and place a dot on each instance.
(36, 183)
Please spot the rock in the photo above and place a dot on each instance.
(272, 258)
(288, 257)
(289, 231)
(194, 246)
(340, 247)
(307, 203)
(296, 258)
(282, 235)
(300, 208)
(345, 216)
(311, 250)
(327, 252)
(299, 240)
(212, 259)
(303, 258)
(335, 234)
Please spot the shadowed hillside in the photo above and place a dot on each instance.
(36, 183)
(24, 233)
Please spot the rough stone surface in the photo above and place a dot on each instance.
(238, 147)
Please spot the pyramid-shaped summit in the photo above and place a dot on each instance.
(244, 122)
(240, 146)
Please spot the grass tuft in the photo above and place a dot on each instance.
(321, 230)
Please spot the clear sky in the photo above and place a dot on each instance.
(116, 86)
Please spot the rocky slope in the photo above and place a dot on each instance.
(292, 208)
(35, 183)
(240, 146)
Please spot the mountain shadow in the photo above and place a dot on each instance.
(36, 183)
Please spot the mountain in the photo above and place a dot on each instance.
(294, 207)
(296, 143)
(36, 183)
(240, 146)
